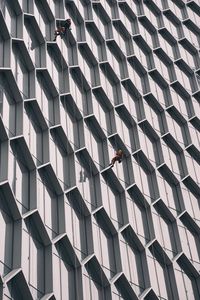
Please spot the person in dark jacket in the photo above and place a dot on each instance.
(118, 157)
(61, 30)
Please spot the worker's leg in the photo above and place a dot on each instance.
(119, 159)
(56, 33)
(113, 161)
(55, 37)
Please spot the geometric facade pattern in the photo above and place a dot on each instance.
(127, 76)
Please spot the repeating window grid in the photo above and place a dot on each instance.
(191, 203)
(157, 270)
(167, 47)
(52, 110)
(152, 14)
(127, 16)
(132, 257)
(169, 195)
(191, 35)
(190, 244)
(185, 286)
(164, 232)
(171, 27)
(178, 10)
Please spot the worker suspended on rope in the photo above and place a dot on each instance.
(118, 157)
(61, 30)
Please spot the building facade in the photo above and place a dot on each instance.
(126, 76)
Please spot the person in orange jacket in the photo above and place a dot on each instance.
(118, 157)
